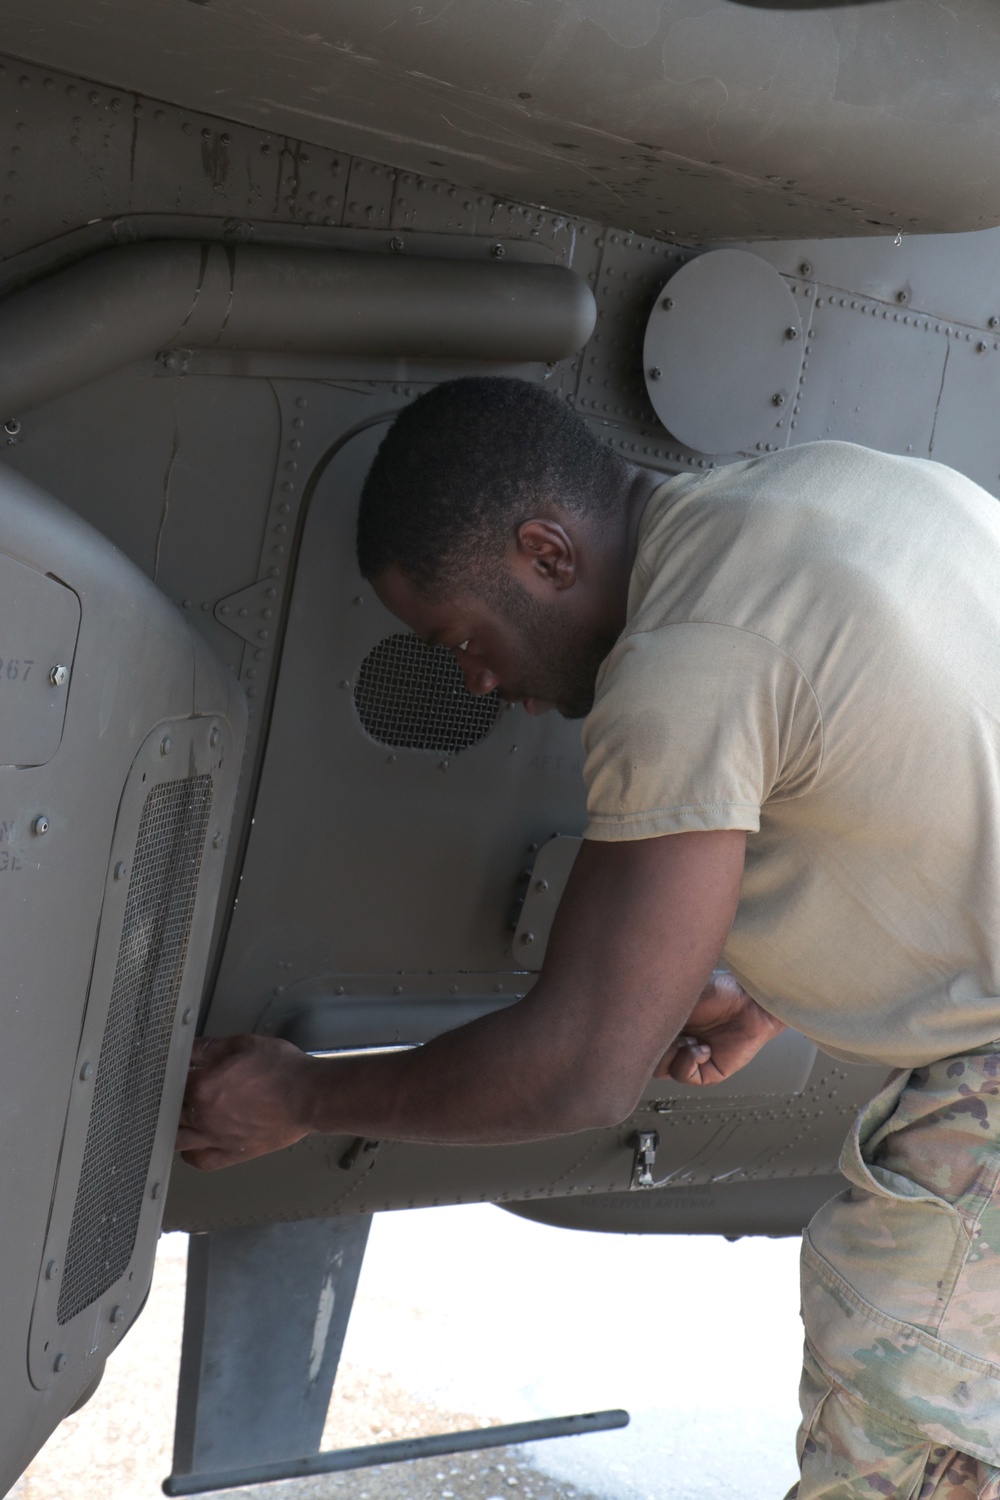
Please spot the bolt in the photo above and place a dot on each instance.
(166, 745)
(994, 323)
(213, 738)
(791, 333)
(86, 1071)
(777, 399)
(51, 1271)
(902, 298)
(40, 825)
(497, 251)
(655, 373)
(121, 870)
(59, 1363)
(187, 1017)
(981, 348)
(117, 1314)
(667, 303)
(58, 675)
(527, 937)
(396, 243)
(155, 1191)
(541, 885)
(805, 269)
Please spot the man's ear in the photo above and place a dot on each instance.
(545, 555)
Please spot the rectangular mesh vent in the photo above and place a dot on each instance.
(133, 1061)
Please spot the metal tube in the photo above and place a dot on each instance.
(124, 304)
(393, 1453)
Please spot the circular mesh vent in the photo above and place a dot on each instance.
(414, 696)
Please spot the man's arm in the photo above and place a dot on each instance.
(636, 936)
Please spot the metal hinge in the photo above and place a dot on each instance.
(645, 1144)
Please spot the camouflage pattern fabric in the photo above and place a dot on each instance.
(901, 1296)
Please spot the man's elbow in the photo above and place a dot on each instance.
(595, 1102)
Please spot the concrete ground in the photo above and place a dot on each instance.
(469, 1315)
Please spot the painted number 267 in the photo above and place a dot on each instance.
(14, 669)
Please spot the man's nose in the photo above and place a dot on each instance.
(478, 678)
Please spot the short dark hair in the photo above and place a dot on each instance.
(465, 464)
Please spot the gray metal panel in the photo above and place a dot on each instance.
(265, 1315)
(135, 666)
(40, 629)
(703, 120)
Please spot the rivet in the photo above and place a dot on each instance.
(59, 1363)
(777, 399)
(213, 737)
(391, 760)
(655, 373)
(805, 269)
(40, 825)
(527, 937)
(117, 1314)
(791, 333)
(51, 1271)
(166, 745)
(667, 303)
(993, 322)
(981, 348)
(541, 885)
(155, 1191)
(345, 682)
(442, 765)
(86, 1072)
(187, 1016)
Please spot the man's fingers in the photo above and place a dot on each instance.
(689, 1060)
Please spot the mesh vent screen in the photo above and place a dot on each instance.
(130, 1073)
(414, 696)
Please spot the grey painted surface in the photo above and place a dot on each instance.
(695, 118)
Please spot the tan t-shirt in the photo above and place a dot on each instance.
(813, 654)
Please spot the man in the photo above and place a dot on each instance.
(790, 672)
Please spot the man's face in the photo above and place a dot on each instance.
(541, 654)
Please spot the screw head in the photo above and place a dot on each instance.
(187, 1017)
(778, 399)
(667, 303)
(541, 885)
(527, 937)
(12, 427)
(166, 745)
(51, 1270)
(121, 870)
(155, 1191)
(86, 1071)
(396, 243)
(59, 1363)
(58, 675)
(805, 269)
(981, 347)
(655, 373)
(40, 825)
(117, 1314)
(791, 333)
(497, 251)
(902, 298)
(993, 322)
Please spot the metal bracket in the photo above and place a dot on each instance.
(646, 1144)
(247, 613)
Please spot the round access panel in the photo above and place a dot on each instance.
(722, 353)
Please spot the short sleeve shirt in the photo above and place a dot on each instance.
(812, 654)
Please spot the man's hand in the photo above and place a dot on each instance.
(723, 1032)
(246, 1095)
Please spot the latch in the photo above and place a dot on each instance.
(645, 1144)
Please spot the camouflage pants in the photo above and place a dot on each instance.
(901, 1296)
